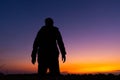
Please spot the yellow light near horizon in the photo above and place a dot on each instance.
(90, 68)
(98, 69)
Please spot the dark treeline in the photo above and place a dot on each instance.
(63, 77)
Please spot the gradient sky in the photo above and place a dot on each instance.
(90, 30)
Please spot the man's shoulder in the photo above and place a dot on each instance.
(42, 28)
(56, 28)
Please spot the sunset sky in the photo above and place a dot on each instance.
(90, 31)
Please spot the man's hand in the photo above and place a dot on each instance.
(63, 58)
(33, 60)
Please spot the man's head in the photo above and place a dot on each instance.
(49, 22)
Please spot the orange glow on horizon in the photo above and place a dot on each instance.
(71, 67)
(74, 64)
(90, 68)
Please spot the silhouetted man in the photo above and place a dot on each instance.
(46, 45)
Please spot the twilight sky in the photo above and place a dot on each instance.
(90, 30)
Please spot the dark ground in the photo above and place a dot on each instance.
(62, 77)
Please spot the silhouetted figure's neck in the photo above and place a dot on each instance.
(49, 26)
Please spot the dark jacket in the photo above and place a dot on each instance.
(48, 42)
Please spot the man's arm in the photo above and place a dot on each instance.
(35, 49)
(61, 46)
